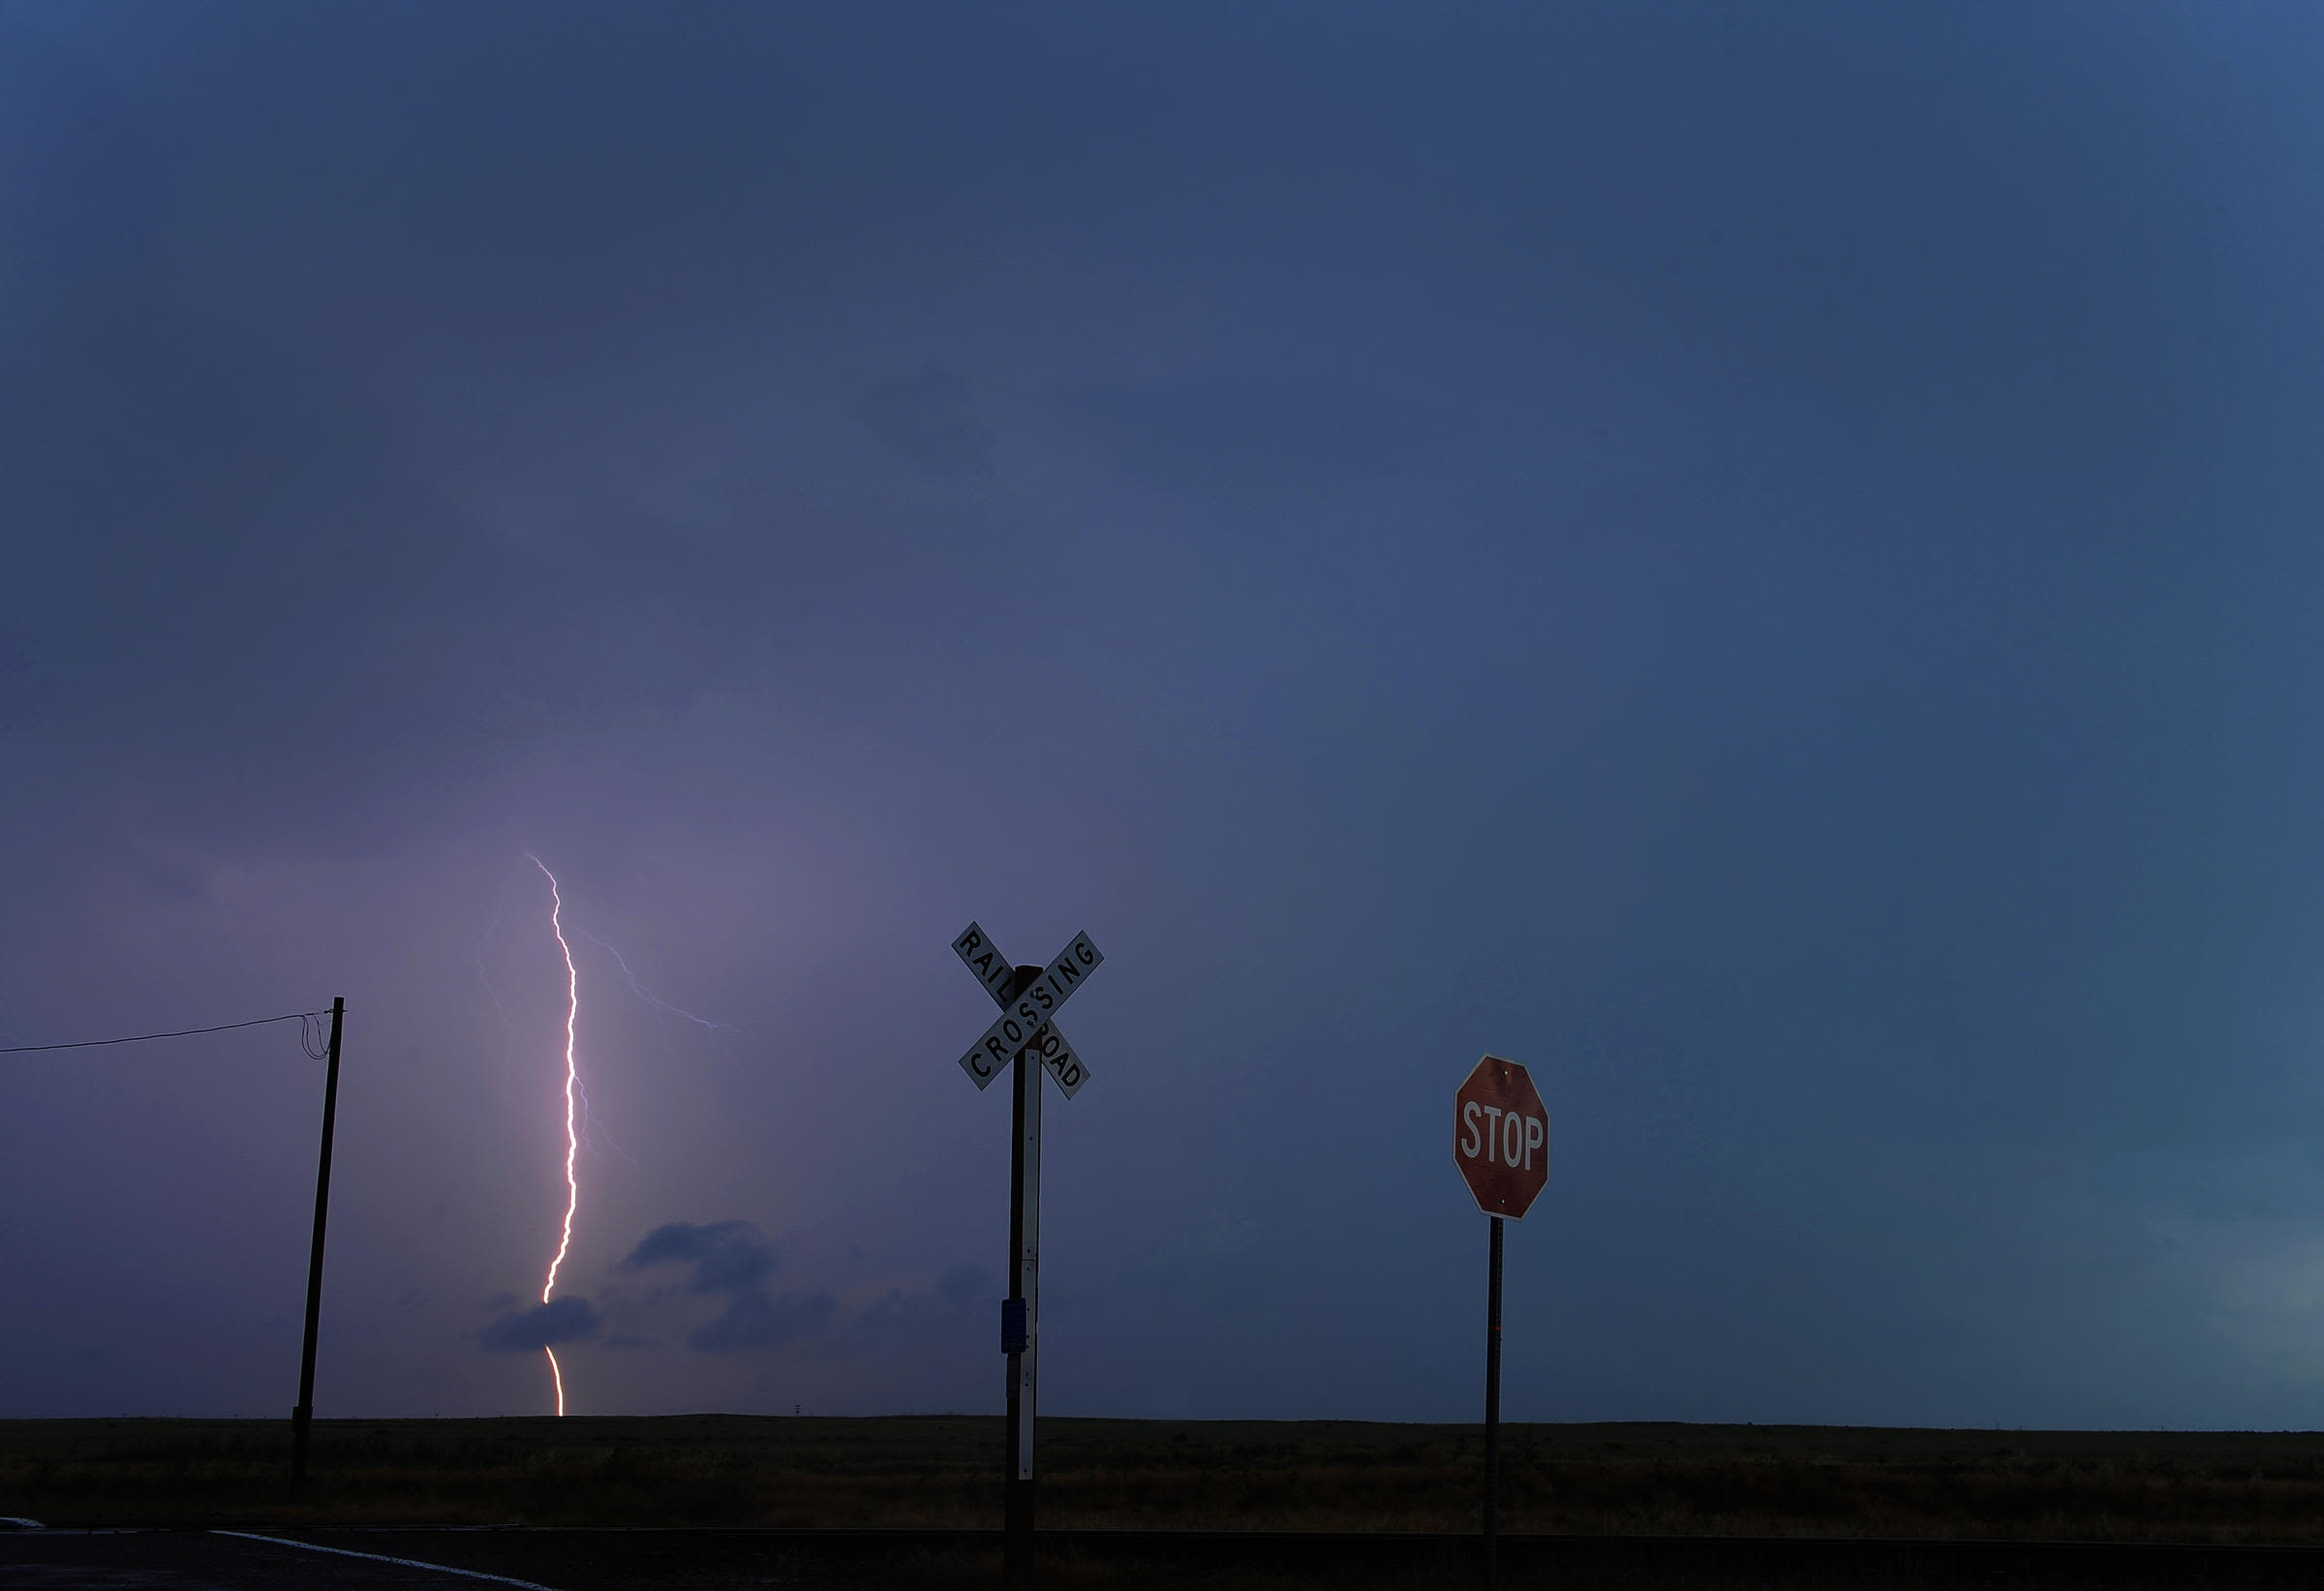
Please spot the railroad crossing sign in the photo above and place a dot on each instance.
(1501, 1138)
(1024, 1032)
(1026, 1020)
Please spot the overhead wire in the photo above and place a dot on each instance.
(302, 1017)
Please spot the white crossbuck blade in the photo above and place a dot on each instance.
(1028, 1022)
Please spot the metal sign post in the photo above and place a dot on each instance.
(1492, 1401)
(1025, 1033)
(1501, 1143)
(1022, 1335)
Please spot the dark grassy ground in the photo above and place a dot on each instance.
(1169, 1475)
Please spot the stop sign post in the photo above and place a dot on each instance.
(1501, 1143)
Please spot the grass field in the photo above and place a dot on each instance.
(1228, 1475)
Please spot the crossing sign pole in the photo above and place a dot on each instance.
(1023, 1344)
(1026, 1033)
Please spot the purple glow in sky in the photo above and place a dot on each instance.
(1757, 559)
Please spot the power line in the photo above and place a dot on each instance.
(177, 1033)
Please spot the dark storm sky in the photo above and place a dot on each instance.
(1762, 560)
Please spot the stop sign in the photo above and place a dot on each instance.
(1501, 1137)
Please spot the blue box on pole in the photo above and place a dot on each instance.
(1012, 1326)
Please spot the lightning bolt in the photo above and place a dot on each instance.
(573, 1084)
(647, 995)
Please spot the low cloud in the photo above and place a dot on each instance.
(735, 1260)
(961, 1298)
(753, 1320)
(543, 1326)
(724, 1256)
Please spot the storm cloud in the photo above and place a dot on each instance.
(718, 1257)
(734, 1258)
(1761, 559)
(543, 1326)
(924, 419)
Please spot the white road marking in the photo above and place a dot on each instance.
(381, 1557)
(20, 1524)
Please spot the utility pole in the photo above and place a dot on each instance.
(303, 1416)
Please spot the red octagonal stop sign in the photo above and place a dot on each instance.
(1501, 1137)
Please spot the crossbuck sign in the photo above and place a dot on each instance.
(1028, 1022)
(1027, 1027)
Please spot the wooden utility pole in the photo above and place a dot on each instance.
(303, 1416)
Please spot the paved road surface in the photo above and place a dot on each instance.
(437, 1559)
(197, 1561)
(430, 1560)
